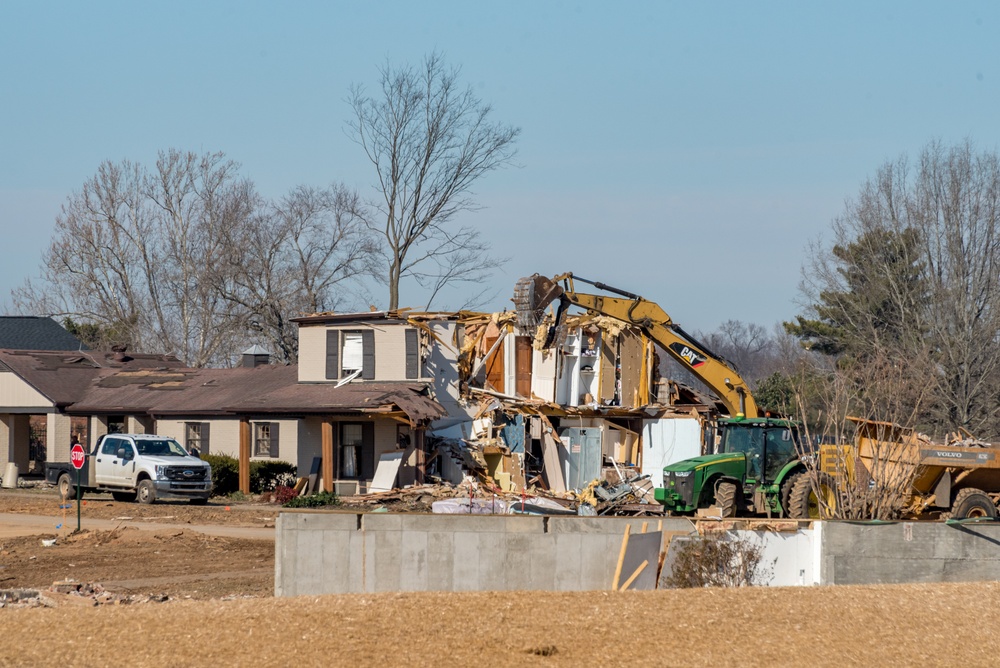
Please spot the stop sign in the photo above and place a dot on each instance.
(77, 456)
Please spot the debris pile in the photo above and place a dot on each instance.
(71, 593)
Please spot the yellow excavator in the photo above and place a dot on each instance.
(533, 294)
(757, 463)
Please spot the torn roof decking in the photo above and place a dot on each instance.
(161, 385)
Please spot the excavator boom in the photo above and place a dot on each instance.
(532, 295)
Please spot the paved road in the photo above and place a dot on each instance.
(18, 524)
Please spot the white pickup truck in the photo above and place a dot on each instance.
(136, 466)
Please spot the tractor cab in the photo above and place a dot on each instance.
(768, 444)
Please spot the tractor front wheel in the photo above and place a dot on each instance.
(725, 498)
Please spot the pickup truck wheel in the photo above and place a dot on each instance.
(971, 502)
(67, 486)
(725, 498)
(145, 491)
(125, 497)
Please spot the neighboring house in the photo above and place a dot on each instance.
(28, 332)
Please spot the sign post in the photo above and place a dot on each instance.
(77, 457)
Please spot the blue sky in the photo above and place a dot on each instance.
(685, 151)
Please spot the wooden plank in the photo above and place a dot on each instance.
(327, 455)
(550, 457)
(634, 575)
(621, 557)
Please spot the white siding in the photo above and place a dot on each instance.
(312, 353)
(15, 393)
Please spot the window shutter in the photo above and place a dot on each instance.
(412, 354)
(332, 354)
(274, 440)
(368, 366)
(204, 438)
(367, 450)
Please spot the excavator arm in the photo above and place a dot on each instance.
(533, 294)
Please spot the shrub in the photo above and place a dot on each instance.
(265, 475)
(718, 560)
(283, 494)
(225, 473)
(314, 501)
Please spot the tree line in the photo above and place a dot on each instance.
(903, 315)
(186, 257)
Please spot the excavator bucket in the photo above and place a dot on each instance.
(531, 297)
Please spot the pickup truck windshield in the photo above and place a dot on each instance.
(166, 447)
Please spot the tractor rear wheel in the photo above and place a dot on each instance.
(971, 502)
(786, 492)
(725, 498)
(811, 499)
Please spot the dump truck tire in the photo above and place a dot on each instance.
(804, 499)
(725, 498)
(972, 502)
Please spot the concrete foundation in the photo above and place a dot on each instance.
(333, 553)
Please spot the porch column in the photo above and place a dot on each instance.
(57, 437)
(421, 455)
(15, 438)
(245, 456)
(327, 454)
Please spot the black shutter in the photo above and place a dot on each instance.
(412, 354)
(274, 440)
(332, 354)
(368, 363)
(367, 450)
(204, 438)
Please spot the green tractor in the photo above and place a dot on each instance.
(753, 471)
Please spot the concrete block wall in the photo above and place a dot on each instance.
(327, 553)
(908, 552)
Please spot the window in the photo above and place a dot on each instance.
(351, 450)
(265, 439)
(196, 437)
(350, 352)
(110, 446)
(357, 450)
(116, 424)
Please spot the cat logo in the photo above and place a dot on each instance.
(690, 356)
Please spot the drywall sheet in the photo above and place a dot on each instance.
(666, 441)
(641, 547)
(386, 472)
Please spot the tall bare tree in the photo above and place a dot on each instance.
(429, 140)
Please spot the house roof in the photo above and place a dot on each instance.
(265, 389)
(29, 332)
(65, 376)
(160, 385)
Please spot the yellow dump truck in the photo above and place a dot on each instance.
(907, 473)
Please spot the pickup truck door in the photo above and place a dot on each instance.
(110, 470)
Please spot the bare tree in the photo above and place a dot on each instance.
(136, 252)
(913, 273)
(429, 141)
(302, 255)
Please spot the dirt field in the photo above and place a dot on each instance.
(207, 619)
(929, 625)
